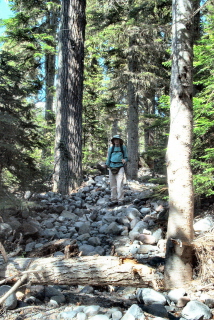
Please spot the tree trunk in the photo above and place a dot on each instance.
(93, 270)
(52, 18)
(49, 75)
(149, 131)
(114, 129)
(178, 268)
(68, 144)
(196, 21)
(133, 120)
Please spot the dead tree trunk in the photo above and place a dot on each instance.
(93, 270)
(178, 267)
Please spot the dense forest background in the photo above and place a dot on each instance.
(127, 62)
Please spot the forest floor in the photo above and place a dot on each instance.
(111, 299)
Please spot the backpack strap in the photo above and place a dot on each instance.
(121, 149)
(112, 150)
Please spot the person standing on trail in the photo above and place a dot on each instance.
(116, 160)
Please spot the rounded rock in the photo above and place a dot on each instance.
(149, 296)
(195, 310)
(175, 294)
(11, 302)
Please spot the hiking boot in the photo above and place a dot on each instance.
(112, 203)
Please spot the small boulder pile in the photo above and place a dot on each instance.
(85, 216)
(136, 229)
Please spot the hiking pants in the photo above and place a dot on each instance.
(116, 184)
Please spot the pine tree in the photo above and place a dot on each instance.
(203, 151)
(19, 132)
(51, 27)
(27, 40)
(117, 24)
(33, 30)
(68, 146)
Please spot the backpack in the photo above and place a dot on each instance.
(115, 170)
(121, 149)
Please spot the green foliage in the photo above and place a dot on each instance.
(204, 184)
(94, 108)
(160, 191)
(24, 134)
(30, 35)
(19, 132)
(157, 125)
(203, 152)
(109, 30)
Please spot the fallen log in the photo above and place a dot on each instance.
(90, 270)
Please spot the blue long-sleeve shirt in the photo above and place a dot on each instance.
(114, 158)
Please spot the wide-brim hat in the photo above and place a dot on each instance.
(117, 136)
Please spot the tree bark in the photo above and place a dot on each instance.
(196, 21)
(68, 144)
(114, 129)
(133, 118)
(49, 76)
(52, 18)
(93, 270)
(178, 268)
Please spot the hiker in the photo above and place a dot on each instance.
(116, 160)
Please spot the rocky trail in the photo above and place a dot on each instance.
(62, 232)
